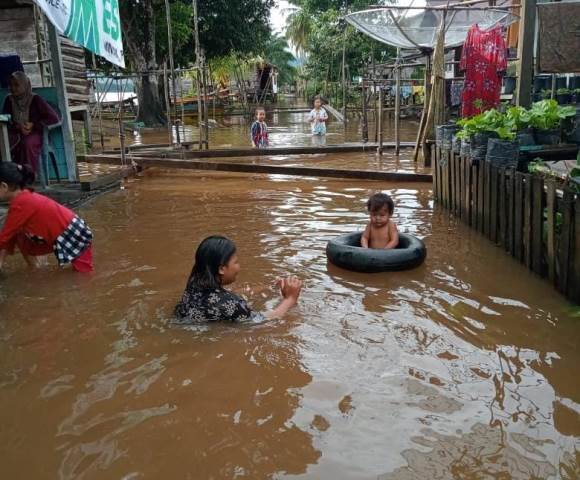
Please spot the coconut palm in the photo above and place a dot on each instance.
(299, 28)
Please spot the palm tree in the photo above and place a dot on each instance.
(299, 28)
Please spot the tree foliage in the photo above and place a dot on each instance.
(318, 30)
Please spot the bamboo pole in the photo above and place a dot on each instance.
(204, 103)
(121, 124)
(365, 125)
(172, 64)
(197, 64)
(397, 103)
(99, 112)
(167, 103)
(380, 121)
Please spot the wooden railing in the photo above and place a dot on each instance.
(536, 220)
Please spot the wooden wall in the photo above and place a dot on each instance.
(18, 35)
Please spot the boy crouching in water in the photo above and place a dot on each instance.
(381, 231)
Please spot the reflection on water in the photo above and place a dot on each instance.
(465, 367)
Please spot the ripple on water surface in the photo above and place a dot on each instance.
(465, 367)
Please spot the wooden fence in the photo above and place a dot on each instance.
(534, 219)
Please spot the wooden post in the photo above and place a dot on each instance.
(344, 76)
(397, 101)
(198, 73)
(172, 66)
(59, 83)
(380, 121)
(526, 41)
(167, 104)
(365, 125)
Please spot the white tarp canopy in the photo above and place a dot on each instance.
(94, 24)
(417, 27)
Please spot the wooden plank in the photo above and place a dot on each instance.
(467, 192)
(565, 246)
(510, 203)
(493, 205)
(474, 197)
(574, 291)
(551, 229)
(480, 197)
(518, 216)
(452, 183)
(190, 164)
(527, 232)
(538, 204)
(502, 210)
(457, 179)
(254, 152)
(461, 183)
(487, 199)
(436, 182)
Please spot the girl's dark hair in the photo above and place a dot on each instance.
(380, 200)
(15, 175)
(318, 97)
(212, 253)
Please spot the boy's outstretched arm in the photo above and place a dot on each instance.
(365, 237)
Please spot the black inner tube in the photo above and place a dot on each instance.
(345, 252)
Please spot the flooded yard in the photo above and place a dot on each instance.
(466, 367)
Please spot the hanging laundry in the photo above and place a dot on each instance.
(484, 60)
(455, 93)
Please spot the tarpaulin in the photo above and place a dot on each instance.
(559, 37)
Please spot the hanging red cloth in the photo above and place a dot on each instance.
(484, 60)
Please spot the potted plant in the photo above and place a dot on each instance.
(546, 119)
(477, 130)
(576, 95)
(518, 119)
(563, 96)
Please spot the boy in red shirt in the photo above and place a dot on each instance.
(38, 225)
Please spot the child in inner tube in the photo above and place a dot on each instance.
(381, 231)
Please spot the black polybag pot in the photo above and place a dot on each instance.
(456, 145)
(563, 98)
(573, 133)
(439, 135)
(465, 150)
(548, 137)
(526, 137)
(502, 153)
(448, 133)
(479, 146)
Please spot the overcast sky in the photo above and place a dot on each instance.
(278, 15)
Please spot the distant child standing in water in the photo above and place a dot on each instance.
(381, 231)
(260, 130)
(38, 225)
(317, 118)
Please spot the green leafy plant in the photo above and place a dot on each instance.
(563, 91)
(490, 121)
(518, 118)
(547, 114)
(546, 93)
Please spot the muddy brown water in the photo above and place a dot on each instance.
(466, 367)
(284, 128)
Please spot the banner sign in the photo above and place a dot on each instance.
(94, 24)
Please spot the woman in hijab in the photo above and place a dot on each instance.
(30, 114)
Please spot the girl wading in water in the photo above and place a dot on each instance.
(206, 300)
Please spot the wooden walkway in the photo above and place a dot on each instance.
(193, 164)
(162, 150)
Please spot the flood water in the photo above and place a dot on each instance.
(285, 128)
(464, 368)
